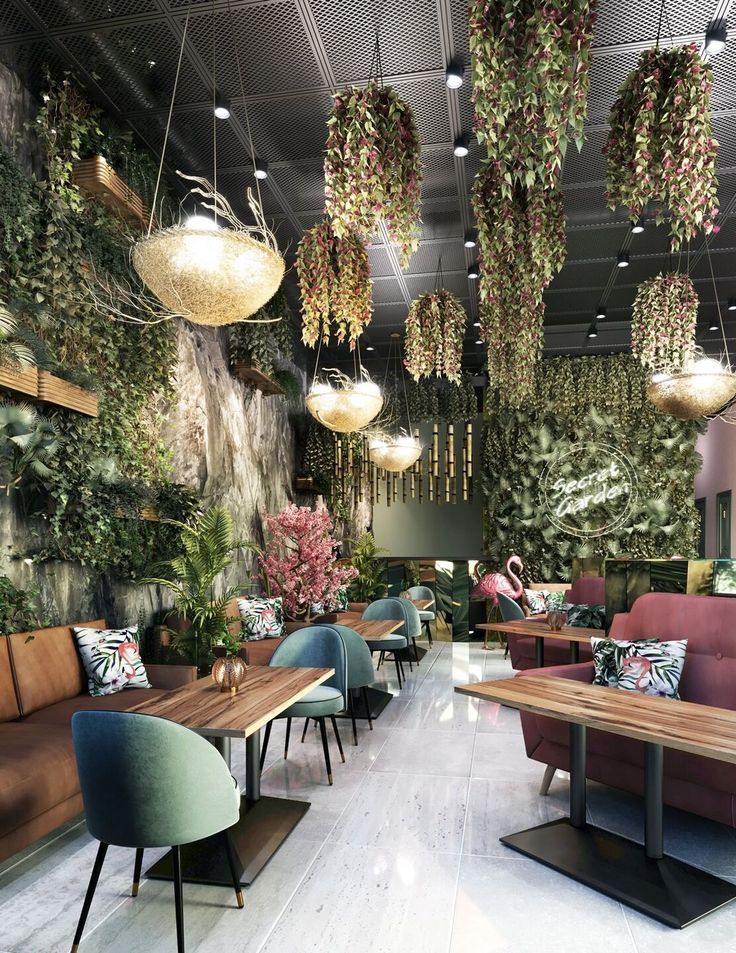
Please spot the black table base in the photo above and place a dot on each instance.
(377, 701)
(263, 827)
(667, 889)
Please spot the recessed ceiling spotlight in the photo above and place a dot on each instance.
(637, 226)
(455, 75)
(476, 324)
(473, 270)
(261, 169)
(471, 239)
(479, 341)
(732, 304)
(600, 313)
(462, 146)
(369, 347)
(222, 106)
(715, 38)
(622, 259)
(592, 331)
(713, 326)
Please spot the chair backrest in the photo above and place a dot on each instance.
(588, 590)
(316, 646)
(420, 592)
(393, 608)
(510, 610)
(148, 782)
(360, 663)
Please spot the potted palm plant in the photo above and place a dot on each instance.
(207, 543)
(369, 584)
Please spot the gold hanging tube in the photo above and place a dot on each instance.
(469, 433)
(452, 463)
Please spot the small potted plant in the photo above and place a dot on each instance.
(229, 670)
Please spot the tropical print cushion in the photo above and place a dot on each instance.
(646, 666)
(111, 659)
(262, 618)
(554, 600)
(585, 616)
(536, 599)
(341, 601)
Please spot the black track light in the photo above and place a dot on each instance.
(592, 331)
(600, 313)
(222, 106)
(471, 238)
(462, 146)
(473, 271)
(715, 38)
(622, 259)
(732, 304)
(713, 326)
(637, 226)
(261, 169)
(455, 75)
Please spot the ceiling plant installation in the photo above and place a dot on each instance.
(373, 171)
(660, 148)
(663, 322)
(335, 285)
(435, 329)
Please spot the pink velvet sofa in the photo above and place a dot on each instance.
(692, 783)
(588, 590)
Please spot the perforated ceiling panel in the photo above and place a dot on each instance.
(295, 53)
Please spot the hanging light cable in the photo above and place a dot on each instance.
(396, 452)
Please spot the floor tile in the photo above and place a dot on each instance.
(502, 755)
(437, 706)
(496, 718)
(420, 751)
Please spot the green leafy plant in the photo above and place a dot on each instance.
(207, 547)
(530, 82)
(373, 171)
(20, 609)
(28, 444)
(435, 331)
(369, 584)
(660, 148)
(521, 243)
(15, 353)
(335, 284)
(264, 343)
(663, 322)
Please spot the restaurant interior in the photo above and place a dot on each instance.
(368, 442)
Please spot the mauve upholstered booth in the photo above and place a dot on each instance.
(692, 783)
(588, 590)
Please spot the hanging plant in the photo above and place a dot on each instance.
(521, 243)
(663, 322)
(335, 285)
(530, 80)
(266, 338)
(373, 168)
(435, 329)
(660, 148)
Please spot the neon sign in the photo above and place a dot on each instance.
(588, 502)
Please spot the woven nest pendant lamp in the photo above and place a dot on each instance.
(398, 451)
(214, 271)
(342, 404)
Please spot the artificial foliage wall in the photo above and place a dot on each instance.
(587, 401)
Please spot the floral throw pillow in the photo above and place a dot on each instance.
(646, 666)
(262, 618)
(111, 659)
(554, 600)
(536, 599)
(341, 601)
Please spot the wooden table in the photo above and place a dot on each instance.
(265, 822)
(421, 605)
(541, 631)
(648, 880)
(374, 630)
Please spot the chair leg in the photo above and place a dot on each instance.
(137, 872)
(416, 652)
(337, 738)
(401, 666)
(428, 629)
(286, 740)
(549, 773)
(381, 657)
(398, 669)
(266, 739)
(178, 899)
(96, 869)
(408, 655)
(367, 707)
(304, 733)
(351, 705)
(323, 732)
(230, 854)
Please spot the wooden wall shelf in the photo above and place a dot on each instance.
(21, 381)
(60, 393)
(251, 373)
(96, 177)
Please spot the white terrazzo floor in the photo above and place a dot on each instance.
(400, 856)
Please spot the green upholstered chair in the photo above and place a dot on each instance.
(360, 674)
(148, 782)
(316, 646)
(426, 616)
(511, 611)
(395, 643)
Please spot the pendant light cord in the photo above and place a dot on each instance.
(718, 303)
(214, 104)
(247, 117)
(168, 123)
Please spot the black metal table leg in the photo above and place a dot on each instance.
(574, 652)
(578, 802)
(653, 825)
(539, 651)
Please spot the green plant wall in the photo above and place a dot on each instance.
(589, 401)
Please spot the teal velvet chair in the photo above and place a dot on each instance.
(360, 674)
(316, 646)
(426, 616)
(148, 782)
(511, 611)
(392, 608)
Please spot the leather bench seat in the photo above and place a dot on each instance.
(61, 713)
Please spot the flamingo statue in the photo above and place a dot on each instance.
(494, 582)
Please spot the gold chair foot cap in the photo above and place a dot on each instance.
(75, 947)
(134, 890)
(329, 778)
(343, 758)
(239, 895)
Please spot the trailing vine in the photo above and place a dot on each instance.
(335, 285)
(435, 330)
(663, 322)
(373, 171)
(268, 342)
(660, 148)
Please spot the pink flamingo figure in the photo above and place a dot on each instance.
(494, 582)
(639, 668)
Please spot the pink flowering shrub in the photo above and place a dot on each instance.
(299, 561)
